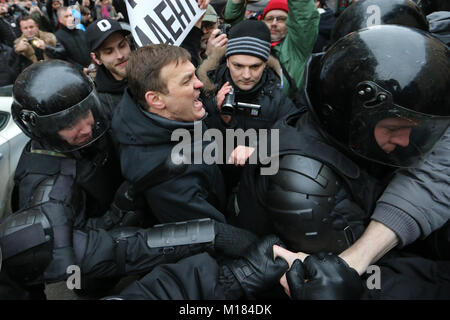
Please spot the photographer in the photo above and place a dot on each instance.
(254, 76)
(36, 45)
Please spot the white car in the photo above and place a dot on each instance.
(12, 141)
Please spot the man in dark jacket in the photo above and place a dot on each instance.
(73, 40)
(253, 75)
(109, 49)
(163, 97)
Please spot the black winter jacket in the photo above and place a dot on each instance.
(144, 143)
(9, 30)
(74, 42)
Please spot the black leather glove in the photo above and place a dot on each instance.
(232, 241)
(257, 270)
(328, 278)
(130, 212)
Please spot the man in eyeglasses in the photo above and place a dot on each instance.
(293, 31)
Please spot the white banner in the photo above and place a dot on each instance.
(162, 21)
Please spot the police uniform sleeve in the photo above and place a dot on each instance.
(193, 278)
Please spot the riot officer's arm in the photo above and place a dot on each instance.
(202, 277)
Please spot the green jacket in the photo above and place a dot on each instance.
(294, 50)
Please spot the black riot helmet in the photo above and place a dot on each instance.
(430, 6)
(57, 105)
(381, 83)
(367, 13)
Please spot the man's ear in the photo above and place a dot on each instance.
(94, 57)
(153, 99)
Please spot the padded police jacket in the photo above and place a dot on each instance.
(264, 201)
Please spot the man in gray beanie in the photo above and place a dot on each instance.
(253, 75)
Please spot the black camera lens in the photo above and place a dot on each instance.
(228, 103)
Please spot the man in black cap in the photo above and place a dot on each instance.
(109, 49)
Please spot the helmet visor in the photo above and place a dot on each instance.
(394, 135)
(70, 129)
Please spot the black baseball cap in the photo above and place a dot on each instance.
(101, 29)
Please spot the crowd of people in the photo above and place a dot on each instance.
(32, 31)
(356, 91)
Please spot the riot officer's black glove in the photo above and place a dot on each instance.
(130, 212)
(257, 270)
(328, 278)
(232, 241)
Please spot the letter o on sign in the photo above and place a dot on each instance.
(104, 25)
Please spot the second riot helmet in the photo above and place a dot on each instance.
(367, 13)
(383, 93)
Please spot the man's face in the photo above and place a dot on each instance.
(3, 9)
(245, 71)
(80, 133)
(276, 22)
(183, 87)
(392, 132)
(67, 19)
(56, 5)
(29, 28)
(207, 28)
(114, 54)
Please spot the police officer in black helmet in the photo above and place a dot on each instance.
(378, 99)
(69, 212)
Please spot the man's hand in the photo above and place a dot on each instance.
(215, 41)
(35, 9)
(240, 155)
(290, 257)
(39, 43)
(258, 269)
(203, 4)
(22, 46)
(323, 277)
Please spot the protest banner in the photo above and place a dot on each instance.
(162, 21)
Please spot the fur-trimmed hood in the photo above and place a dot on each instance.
(214, 61)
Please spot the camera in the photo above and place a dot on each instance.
(33, 41)
(230, 106)
(228, 103)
